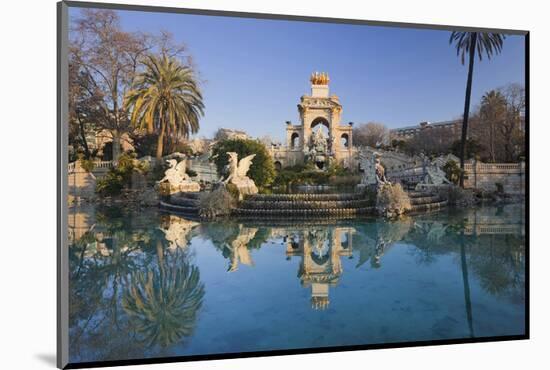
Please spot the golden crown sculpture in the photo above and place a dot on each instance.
(319, 78)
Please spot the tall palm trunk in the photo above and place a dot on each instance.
(160, 142)
(116, 147)
(473, 42)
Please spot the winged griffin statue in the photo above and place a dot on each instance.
(177, 178)
(175, 175)
(237, 171)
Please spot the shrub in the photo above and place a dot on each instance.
(111, 184)
(144, 167)
(117, 177)
(305, 174)
(298, 176)
(392, 200)
(455, 195)
(218, 202)
(349, 180)
(452, 171)
(340, 176)
(337, 170)
(500, 187)
(262, 171)
(233, 190)
(87, 165)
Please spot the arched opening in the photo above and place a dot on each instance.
(344, 240)
(278, 166)
(321, 123)
(320, 253)
(344, 141)
(294, 140)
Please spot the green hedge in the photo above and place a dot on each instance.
(117, 178)
(305, 174)
(262, 170)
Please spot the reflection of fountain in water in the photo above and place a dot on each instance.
(107, 263)
(176, 231)
(239, 253)
(320, 250)
(234, 241)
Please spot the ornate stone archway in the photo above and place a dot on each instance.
(317, 108)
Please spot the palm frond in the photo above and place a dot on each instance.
(165, 97)
(487, 44)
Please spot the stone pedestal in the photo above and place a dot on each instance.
(166, 188)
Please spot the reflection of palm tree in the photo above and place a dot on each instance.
(162, 303)
(466, 282)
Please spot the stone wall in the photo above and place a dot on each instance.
(486, 175)
(478, 175)
(206, 170)
(81, 183)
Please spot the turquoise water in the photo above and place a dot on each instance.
(149, 284)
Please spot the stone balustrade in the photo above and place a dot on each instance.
(478, 175)
(486, 176)
(99, 166)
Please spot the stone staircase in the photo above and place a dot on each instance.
(425, 201)
(346, 205)
(304, 205)
(186, 203)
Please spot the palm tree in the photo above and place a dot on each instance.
(165, 99)
(470, 43)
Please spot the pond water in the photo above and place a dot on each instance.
(151, 284)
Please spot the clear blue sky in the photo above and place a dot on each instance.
(255, 70)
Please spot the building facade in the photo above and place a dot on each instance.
(308, 141)
(450, 130)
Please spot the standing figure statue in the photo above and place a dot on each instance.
(368, 165)
(380, 170)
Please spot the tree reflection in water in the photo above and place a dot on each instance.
(130, 287)
(135, 285)
(162, 301)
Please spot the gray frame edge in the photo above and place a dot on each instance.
(62, 189)
(284, 17)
